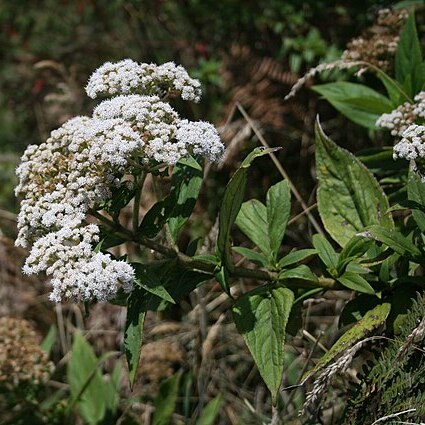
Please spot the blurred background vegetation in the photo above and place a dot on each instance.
(250, 52)
(246, 53)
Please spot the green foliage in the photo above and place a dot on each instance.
(379, 262)
(265, 225)
(416, 193)
(261, 316)
(349, 197)
(394, 240)
(185, 186)
(393, 381)
(95, 398)
(133, 334)
(232, 202)
(371, 320)
(210, 412)
(409, 65)
(176, 208)
(165, 401)
(357, 102)
(50, 339)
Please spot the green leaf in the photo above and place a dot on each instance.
(85, 381)
(296, 256)
(355, 309)
(111, 389)
(50, 339)
(210, 412)
(179, 281)
(371, 320)
(185, 186)
(108, 239)
(170, 283)
(325, 251)
(149, 280)
(278, 210)
(355, 282)
(357, 102)
(165, 402)
(155, 219)
(254, 256)
(300, 272)
(261, 316)
(133, 334)
(231, 203)
(222, 277)
(395, 92)
(252, 221)
(121, 196)
(349, 197)
(176, 208)
(357, 268)
(416, 193)
(355, 248)
(401, 301)
(408, 59)
(380, 160)
(176, 279)
(394, 239)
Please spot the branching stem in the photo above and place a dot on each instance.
(209, 267)
(137, 196)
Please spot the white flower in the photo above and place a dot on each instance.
(406, 114)
(84, 160)
(200, 138)
(398, 120)
(129, 77)
(420, 104)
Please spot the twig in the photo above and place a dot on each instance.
(210, 268)
(303, 212)
(7, 215)
(275, 415)
(136, 205)
(303, 370)
(393, 415)
(61, 328)
(309, 336)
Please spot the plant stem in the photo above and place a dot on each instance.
(209, 267)
(137, 197)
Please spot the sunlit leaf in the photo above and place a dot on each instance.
(349, 197)
(133, 334)
(278, 204)
(371, 320)
(261, 316)
(357, 102)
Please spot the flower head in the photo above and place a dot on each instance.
(129, 77)
(83, 161)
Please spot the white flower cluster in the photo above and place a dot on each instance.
(401, 118)
(129, 77)
(412, 144)
(81, 162)
(420, 104)
(412, 148)
(77, 271)
(398, 120)
(59, 181)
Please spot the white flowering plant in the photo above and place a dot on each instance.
(77, 186)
